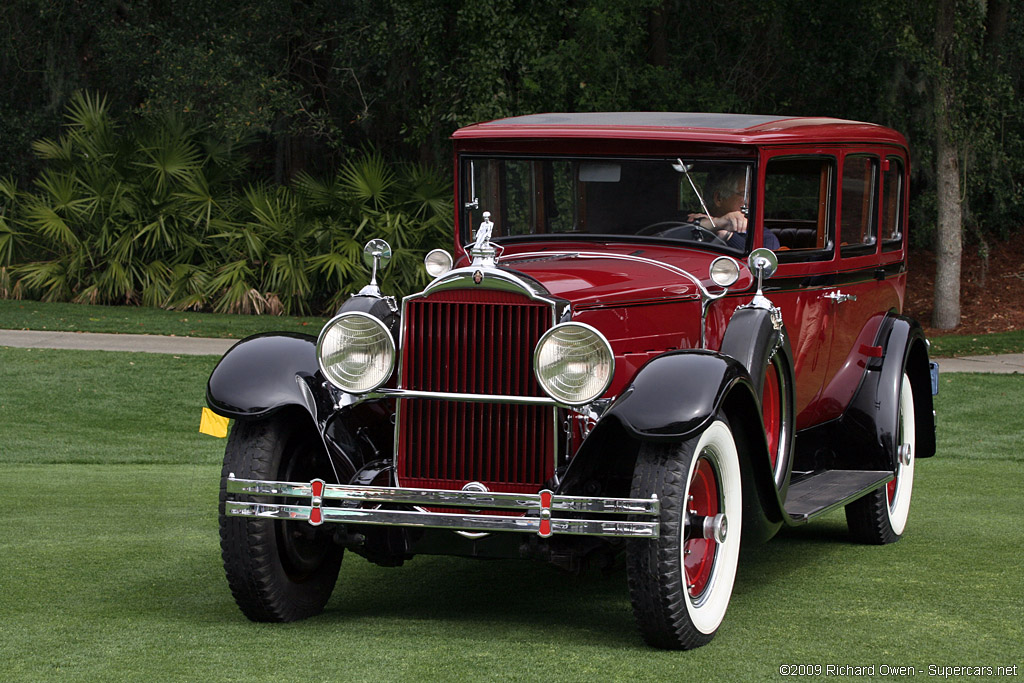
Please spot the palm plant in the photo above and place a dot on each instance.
(148, 213)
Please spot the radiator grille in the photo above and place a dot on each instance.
(477, 342)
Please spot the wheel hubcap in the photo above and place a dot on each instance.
(905, 454)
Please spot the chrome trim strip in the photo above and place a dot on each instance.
(493, 278)
(447, 497)
(440, 520)
(470, 398)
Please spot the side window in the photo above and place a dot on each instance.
(799, 206)
(892, 205)
(858, 209)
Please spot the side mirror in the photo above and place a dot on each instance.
(376, 255)
(763, 263)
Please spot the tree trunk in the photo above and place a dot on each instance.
(657, 32)
(946, 312)
(996, 18)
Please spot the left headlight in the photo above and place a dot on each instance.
(573, 363)
(356, 352)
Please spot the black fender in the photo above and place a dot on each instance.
(270, 372)
(677, 394)
(263, 373)
(867, 429)
(672, 398)
(753, 339)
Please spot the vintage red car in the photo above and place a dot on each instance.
(659, 334)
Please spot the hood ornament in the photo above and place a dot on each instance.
(483, 251)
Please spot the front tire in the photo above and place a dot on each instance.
(881, 516)
(680, 583)
(277, 570)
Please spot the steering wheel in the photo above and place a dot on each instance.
(682, 230)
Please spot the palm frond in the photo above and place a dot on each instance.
(368, 179)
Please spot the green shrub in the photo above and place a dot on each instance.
(152, 212)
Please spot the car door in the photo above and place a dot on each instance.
(799, 208)
(867, 285)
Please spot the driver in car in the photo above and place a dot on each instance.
(724, 196)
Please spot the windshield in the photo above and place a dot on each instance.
(655, 198)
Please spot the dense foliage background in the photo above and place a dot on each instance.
(233, 155)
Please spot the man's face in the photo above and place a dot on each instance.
(728, 200)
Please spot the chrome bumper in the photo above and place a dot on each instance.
(543, 522)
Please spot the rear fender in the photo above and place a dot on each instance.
(868, 427)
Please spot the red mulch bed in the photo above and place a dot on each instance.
(991, 300)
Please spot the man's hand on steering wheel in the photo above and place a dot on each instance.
(734, 221)
(688, 230)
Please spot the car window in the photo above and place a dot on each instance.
(799, 206)
(858, 209)
(892, 205)
(628, 197)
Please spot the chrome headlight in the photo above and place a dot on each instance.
(573, 363)
(356, 352)
(724, 271)
(438, 262)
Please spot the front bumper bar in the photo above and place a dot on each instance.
(541, 510)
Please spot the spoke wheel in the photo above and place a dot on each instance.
(680, 584)
(881, 516)
(277, 570)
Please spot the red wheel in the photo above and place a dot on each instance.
(681, 582)
(699, 552)
(776, 418)
(881, 516)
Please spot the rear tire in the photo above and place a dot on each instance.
(881, 516)
(680, 583)
(277, 570)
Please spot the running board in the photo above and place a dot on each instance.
(826, 490)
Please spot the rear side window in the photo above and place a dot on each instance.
(892, 204)
(859, 211)
(799, 206)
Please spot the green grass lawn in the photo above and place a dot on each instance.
(110, 565)
(36, 315)
(950, 345)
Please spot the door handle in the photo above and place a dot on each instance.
(839, 297)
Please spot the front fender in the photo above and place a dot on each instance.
(677, 394)
(264, 373)
(671, 399)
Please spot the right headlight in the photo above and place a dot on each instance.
(356, 352)
(573, 363)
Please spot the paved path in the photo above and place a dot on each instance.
(92, 341)
(1006, 363)
(201, 346)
